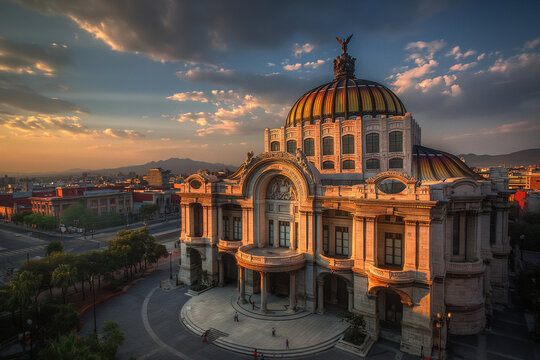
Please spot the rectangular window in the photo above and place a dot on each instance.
(393, 253)
(284, 234)
(112, 201)
(271, 232)
(103, 202)
(455, 234)
(226, 228)
(342, 240)
(326, 238)
(237, 228)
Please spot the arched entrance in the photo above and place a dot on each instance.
(230, 269)
(278, 284)
(333, 293)
(389, 310)
(195, 267)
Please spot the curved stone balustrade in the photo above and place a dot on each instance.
(229, 245)
(466, 267)
(269, 259)
(392, 275)
(335, 264)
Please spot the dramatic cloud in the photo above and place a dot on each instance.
(32, 59)
(56, 126)
(532, 44)
(314, 64)
(25, 99)
(463, 67)
(200, 31)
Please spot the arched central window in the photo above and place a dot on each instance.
(328, 145)
(309, 147)
(274, 146)
(347, 144)
(395, 143)
(372, 143)
(291, 146)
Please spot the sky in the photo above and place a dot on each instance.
(99, 84)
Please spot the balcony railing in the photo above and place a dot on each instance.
(335, 263)
(194, 240)
(392, 275)
(465, 267)
(229, 244)
(270, 258)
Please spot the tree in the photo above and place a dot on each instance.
(17, 218)
(24, 288)
(54, 247)
(148, 210)
(113, 337)
(64, 276)
(58, 319)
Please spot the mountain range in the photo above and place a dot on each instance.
(518, 158)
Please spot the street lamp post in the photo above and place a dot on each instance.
(170, 265)
(94, 298)
(440, 321)
(29, 322)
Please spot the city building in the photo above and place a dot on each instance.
(346, 208)
(158, 177)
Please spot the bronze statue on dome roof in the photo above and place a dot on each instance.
(344, 43)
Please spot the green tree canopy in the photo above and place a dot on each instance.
(54, 247)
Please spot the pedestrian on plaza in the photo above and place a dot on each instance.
(255, 353)
(236, 316)
(262, 356)
(205, 336)
(273, 331)
(252, 304)
(286, 343)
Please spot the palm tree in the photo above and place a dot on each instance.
(24, 288)
(64, 276)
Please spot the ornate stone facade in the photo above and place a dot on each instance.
(389, 245)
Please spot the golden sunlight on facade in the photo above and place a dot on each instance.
(346, 210)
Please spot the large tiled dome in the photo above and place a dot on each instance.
(346, 96)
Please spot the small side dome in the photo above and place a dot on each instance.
(433, 165)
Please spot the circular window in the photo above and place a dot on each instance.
(195, 184)
(391, 186)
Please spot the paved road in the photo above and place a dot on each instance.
(18, 242)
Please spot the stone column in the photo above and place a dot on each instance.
(318, 217)
(220, 222)
(292, 291)
(263, 292)
(221, 274)
(241, 277)
(371, 240)
(292, 235)
(350, 302)
(320, 296)
(408, 248)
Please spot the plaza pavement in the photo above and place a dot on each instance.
(150, 318)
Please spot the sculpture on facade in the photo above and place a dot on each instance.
(281, 188)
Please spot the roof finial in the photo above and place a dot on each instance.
(344, 64)
(344, 43)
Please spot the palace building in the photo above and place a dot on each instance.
(347, 210)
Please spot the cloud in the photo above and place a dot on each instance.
(274, 88)
(199, 118)
(20, 58)
(182, 30)
(314, 64)
(532, 44)
(408, 78)
(516, 62)
(23, 98)
(292, 67)
(125, 134)
(189, 96)
(457, 54)
(463, 67)
(508, 128)
(428, 49)
(270, 64)
(302, 49)
(56, 126)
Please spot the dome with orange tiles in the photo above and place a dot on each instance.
(345, 97)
